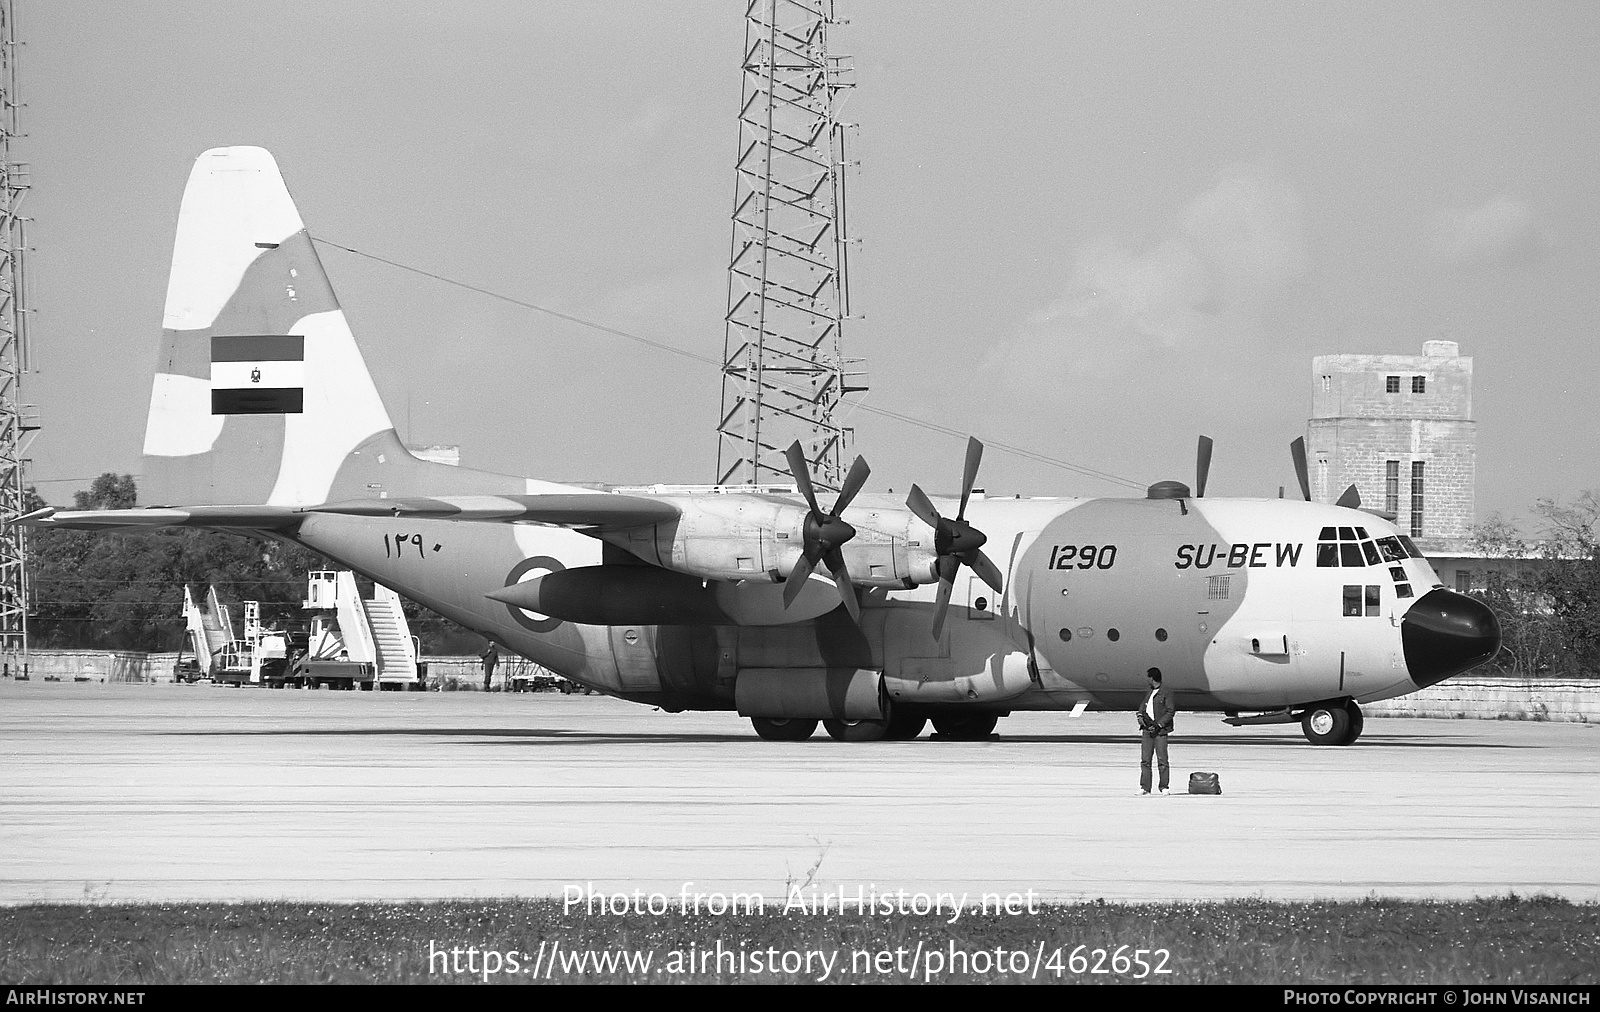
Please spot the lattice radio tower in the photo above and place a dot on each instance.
(784, 376)
(15, 421)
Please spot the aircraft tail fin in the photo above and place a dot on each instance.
(261, 395)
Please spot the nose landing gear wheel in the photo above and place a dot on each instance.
(966, 726)
(1332, 723)
(783, 729)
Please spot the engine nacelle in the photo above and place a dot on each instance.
(722, 537)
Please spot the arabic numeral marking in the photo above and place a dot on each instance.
(1120, 964)
(1086, 557)
(1161, 967)
(386, 546)
(1099, 964)
(1064, 554)
(1076, 963)
(1107, 558)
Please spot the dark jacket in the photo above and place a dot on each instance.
(1164, 710)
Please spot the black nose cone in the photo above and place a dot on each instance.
(1446, 633)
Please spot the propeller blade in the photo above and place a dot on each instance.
(1297, 449)
(1351, 498)
(941, 606)
(986, 571)
(841, 577)
(802, 475)
(969, 476)
(1202, 467)
(917, 502)
(797, 578)
(852, 484)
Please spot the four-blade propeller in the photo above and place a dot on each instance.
(955, 541)
(822, 534)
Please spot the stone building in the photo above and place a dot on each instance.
(1399, 428)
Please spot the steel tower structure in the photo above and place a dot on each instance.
(14, 420)
(784, 376)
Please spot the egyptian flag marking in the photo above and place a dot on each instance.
(260, 374)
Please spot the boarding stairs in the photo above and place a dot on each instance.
(209, 628)
(371, 632)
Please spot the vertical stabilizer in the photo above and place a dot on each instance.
(260, 393)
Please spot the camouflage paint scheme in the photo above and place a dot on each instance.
(1224, 596)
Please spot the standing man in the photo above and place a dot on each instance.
(1155, 723)
(491, 657)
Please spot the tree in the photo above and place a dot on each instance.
(1549, 616)
(1571, 577)
(1529, 641)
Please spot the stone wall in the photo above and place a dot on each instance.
(1572, 699)
(133, 666)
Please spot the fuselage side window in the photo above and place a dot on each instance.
(1352, 600)
(1373, 599)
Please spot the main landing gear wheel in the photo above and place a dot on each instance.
(856, 730)
(966, 726)
(784, 728)
(905, 726)
(1332, 723)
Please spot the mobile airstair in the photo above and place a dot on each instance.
(356, 643)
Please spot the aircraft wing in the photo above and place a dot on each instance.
(588, 511)
(238, 517)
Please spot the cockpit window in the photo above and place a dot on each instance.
(1391, 550)
(1350, 554)
(1328, 534)
(1347, 534)
(1370, 552)
(1410, 547)
(1327, 555)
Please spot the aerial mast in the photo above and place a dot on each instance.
(15, 421)
(784, 374)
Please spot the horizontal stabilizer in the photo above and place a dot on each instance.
(238, 517)
(586, 510)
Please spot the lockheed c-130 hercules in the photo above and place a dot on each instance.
(872, 617)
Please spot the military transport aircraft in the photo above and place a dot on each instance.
(872, 617)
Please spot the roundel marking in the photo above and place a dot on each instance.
(539, 565)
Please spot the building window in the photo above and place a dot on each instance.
(1463, 581)
(1391, 487)
(1327, 381)
(1419, 384)
(1416, 498)
(1392, 385)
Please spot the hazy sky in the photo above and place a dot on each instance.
(1093, 230)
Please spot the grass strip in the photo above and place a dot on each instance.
(1504, 940)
